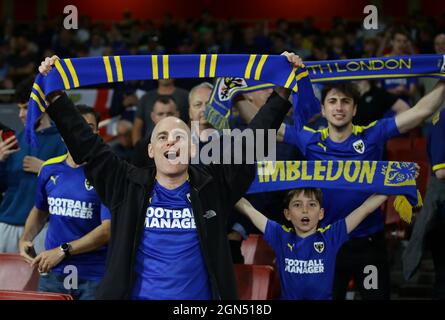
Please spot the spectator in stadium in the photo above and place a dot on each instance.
(164, 106)
(429, 226)
(22, 61)
(404, 88)
(18, 172)
(199, 95)
(376, 103)
(303, 208)
(124, 147)
(439, 48)
(78, 227)
(344, 141)
(143, 122)
(191, 259)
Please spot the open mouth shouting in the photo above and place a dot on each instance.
(305, 221)
(172, 154)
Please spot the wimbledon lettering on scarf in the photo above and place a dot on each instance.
(383, 177)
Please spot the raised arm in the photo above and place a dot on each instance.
(257, 218)
(104, 169)
(424, 109)
(238, 175)
(359, 214)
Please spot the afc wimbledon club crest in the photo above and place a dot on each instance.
(88, 185)
(319, 246)
(359, 146)
(229, 86)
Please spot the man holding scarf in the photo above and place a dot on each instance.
(190, 259)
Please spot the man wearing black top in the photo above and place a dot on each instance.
(375, 102)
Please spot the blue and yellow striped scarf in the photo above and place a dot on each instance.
(78, 72)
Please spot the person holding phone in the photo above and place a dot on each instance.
(8, 142)
(19, 165)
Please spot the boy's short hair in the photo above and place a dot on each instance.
(308, 192)
(84, 109)
(349, 89)
(23, 90)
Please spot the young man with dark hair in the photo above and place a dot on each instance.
(342, 140)
(78, 227)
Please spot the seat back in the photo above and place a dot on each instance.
(17, 274)
(32, 295)
(254, 282)
(257, 251)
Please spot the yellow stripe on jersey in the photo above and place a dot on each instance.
(286, 229)
(359, 129)
(72, 72)
(62, 73)
(309, 129)
(54, 160)
(322, 146)
(324, 133)
(439, 166)
(323, 230)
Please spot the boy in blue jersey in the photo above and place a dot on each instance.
(344, 141)
(78, 228)
(428, 228)
(168, 237)
(306, 255)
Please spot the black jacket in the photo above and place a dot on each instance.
(125, 190)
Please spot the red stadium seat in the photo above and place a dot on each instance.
(17, 274)
(399, 144)
(391, 215)
(32, 295)
(257, 251)
(254, 282)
